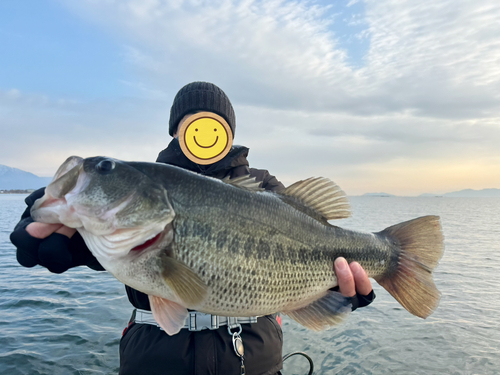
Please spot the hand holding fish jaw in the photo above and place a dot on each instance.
(52, 246)
(352, 278)
(43, 230)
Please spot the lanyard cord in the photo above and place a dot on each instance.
(311, 365)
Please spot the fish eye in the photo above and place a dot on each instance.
(105, 166)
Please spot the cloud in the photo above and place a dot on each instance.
(397, 153)
(416, 99)
(435, 58)
(439, 58)
(39, 133)
(271, 48)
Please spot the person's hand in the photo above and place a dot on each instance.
(42, 230)
(354, 283)
(53, 246)
(352, 278)
(43, 244)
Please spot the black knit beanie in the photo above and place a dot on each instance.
(201, 96)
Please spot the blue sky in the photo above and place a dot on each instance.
(50, 50)
(47, 49)
(350, 29)
(391, 96)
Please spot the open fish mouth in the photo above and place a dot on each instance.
(89, 195)
(52, 208)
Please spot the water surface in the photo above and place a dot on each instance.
(72, 323)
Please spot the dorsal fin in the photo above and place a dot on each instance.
(319, 195)
(243, 182)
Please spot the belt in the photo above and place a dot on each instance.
(196, 321)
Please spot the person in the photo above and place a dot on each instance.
(144, 347)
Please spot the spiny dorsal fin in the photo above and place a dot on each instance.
(243, 182)
(322, 196)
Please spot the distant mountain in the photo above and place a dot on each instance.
(13, 178)
(470, 193)
(378, 195)
(466, 193)
(430, 195)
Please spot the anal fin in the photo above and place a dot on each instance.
(169, 315)
(329, 310)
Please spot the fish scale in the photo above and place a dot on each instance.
(286, 271)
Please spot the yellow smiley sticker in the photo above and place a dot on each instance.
(205, 138)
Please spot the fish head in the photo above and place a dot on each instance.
(114, 206)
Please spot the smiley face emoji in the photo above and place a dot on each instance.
(205, 138)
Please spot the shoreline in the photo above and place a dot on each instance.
(17, 191)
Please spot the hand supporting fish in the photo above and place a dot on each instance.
(226, 248)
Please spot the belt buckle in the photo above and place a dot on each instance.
(199, 321)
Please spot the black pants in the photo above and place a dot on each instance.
(145, 349)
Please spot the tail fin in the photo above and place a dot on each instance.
(421, 245)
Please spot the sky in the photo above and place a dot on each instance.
(392, 96)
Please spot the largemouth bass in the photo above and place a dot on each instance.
(228, 248)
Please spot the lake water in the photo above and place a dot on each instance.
(72, 323)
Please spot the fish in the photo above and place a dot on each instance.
(229, 248)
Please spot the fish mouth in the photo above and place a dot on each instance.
(212, 145)
(52, 207)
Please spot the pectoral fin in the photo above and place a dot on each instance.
(184, 282)
(169, 315)
(323, 313)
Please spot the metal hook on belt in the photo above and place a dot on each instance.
(239, 350)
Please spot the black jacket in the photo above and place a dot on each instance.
(234, 164)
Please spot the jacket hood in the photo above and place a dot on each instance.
(234, 164)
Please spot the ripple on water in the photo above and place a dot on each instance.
(72, 323)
